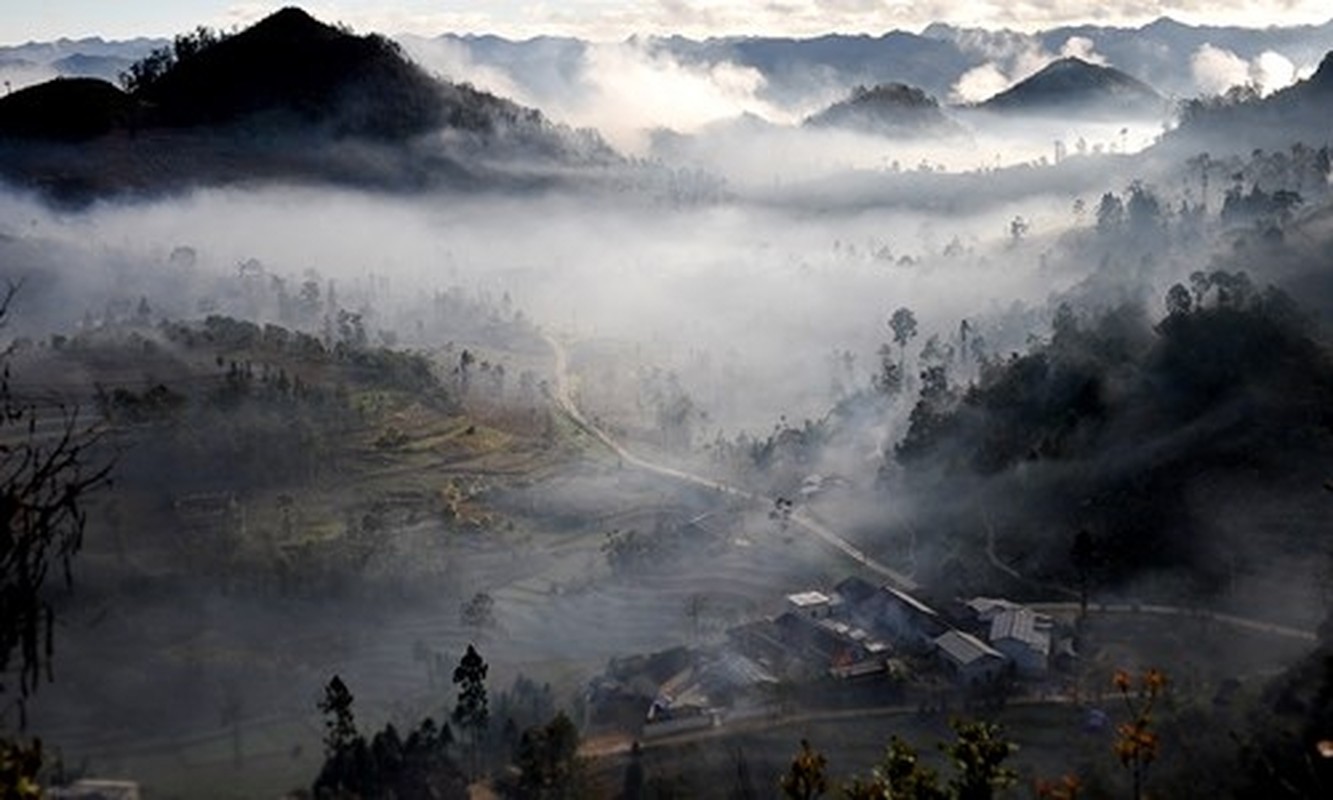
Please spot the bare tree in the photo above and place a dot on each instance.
(46, 473)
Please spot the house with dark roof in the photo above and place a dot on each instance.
(892, 614)
(968, 659)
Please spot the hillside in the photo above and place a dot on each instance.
(1241, 121)
(64, 109)
(894, 110)
(291, 64)
(1074, 85)
(288, 98)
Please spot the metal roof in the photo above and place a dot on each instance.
(964, 648)
(1021, 625)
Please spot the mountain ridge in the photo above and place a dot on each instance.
(287, 97)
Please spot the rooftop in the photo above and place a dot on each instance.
(987, 607)
(807, 599)
(910, 601)
(964, 648)
(1023, 625)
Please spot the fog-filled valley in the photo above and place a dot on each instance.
(753, 417)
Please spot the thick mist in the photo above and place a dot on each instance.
(521, 379)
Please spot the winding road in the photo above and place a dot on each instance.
(563, 395)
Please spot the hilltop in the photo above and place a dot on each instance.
(289, 97)
(893, 109)
(1072, 84)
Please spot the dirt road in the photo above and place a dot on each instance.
(563, 395)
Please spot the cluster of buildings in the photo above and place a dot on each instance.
(866, 629)
(858, 632)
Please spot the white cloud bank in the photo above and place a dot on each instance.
(1217, 69)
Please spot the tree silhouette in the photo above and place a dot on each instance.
(903, 325)
(547, 760)
(472, 712)
(1178, 300)
(339, 723)
(45, 476)
(1110, 213)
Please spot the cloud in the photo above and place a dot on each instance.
(623, 89)
(1216, 69)
(980, 83)
(635, 90)
(1272, 71)
(1082, 47)
(452, 61)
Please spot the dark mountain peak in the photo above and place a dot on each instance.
(277, 100)
(63, 109)
(889, 109)
(291, 65)
(291, 18)
(292, 26)
(1073, 82)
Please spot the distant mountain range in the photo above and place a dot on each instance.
(796, 72)
(287, 97)
(293, 98)
(804, 72)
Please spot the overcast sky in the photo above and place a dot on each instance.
(25, 20)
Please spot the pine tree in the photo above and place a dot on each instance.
(472, 713)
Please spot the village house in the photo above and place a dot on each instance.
(1025, 637)
(967, 659)
(893, 614)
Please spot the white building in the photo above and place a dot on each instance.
(811, 605)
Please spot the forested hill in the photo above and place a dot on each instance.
(1241, 120)
(1144, 434)
(268, 102)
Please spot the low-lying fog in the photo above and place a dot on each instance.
(759, 264)
(759, 293)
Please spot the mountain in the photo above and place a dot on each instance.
(800, 68)
(798, 72)
(83, 65)
(894, 109)
(28, 64)
(1240, 121)
(289, 97)
(1321, 82)
(1074, 85)
(64, 109)
(291, 65)
(1160, 53)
